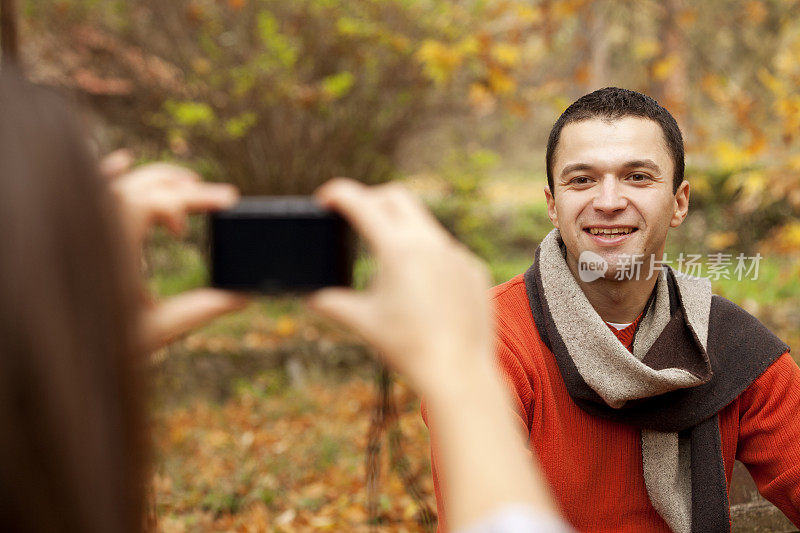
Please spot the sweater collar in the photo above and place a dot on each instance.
(625, 335)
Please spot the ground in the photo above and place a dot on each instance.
(274, 458)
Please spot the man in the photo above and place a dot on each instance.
(637, 392)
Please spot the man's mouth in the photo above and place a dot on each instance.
(622, 230)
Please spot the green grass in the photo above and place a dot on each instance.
(178, 267)
(505, 269)
(778, 282)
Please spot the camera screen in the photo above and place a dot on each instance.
(279, 246)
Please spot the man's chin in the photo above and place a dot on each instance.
(611, 265)
(626, 267)
(617, 273)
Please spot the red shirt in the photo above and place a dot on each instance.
(594, 466)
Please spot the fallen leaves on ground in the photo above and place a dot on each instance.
(286, 460)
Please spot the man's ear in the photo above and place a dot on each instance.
(681, 205)
(551, 206)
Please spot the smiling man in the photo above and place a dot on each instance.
(637, 392)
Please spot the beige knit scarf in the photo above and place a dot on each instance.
(609, 368)
(671, 386)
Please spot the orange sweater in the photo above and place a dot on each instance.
(594, 466)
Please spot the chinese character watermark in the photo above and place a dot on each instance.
(592, 266)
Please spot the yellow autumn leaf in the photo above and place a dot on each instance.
(645, 49)
(506, 54)
(322, 522)
(409, 510)
(439, 60)
(567, 8)
(699, 184)
(481, 99)
(217, 438)
(721, 239)
(785, 61)
(561, 103)
(791, 236)
(529, 14)
(789, 109)
(665, 66)
(785, 240)
(178, 434)
(500, 82)
(712, 85)
(754, 183)
(468, 46)
(285, 326)
(771, 82)
(730, 156)
(794, 162)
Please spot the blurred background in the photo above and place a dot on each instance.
(262, 419)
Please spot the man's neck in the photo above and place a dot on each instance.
(619, 301)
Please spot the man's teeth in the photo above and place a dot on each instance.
(610, 231)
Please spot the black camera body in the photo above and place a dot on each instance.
(279, 244)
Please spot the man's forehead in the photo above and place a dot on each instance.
(611, 142)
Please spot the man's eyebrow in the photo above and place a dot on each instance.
(643, 163)
(575, 167)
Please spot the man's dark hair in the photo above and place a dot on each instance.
(613, 103)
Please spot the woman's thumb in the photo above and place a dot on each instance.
(345, 306)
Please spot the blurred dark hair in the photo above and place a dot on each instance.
(613, 103)
(72, 456)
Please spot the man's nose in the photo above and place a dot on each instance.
(608, 197)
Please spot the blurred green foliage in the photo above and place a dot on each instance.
(747, 209)
(495, 232)
(462, 212)
(274, 96)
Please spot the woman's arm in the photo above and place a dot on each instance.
(428, 316)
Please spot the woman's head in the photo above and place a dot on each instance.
(71, 453)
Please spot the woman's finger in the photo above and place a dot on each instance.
(361, 207)
(171, 205)
(408, 209)
(202, 196)
(167, 320)
(346, 306)
(116, 163)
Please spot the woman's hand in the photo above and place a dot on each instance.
(165, 194)
(427, 310)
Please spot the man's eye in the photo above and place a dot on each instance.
(638, 177)
(580, 180)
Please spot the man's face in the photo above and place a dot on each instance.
(612, 183)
